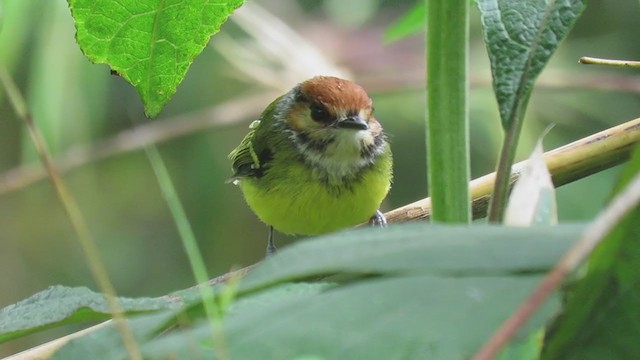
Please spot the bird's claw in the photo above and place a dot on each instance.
(378, 220)
(271, 247)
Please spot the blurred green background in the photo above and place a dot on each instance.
(93, 124)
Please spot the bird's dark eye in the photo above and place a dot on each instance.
(320, 114)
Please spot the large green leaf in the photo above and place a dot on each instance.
(419, 249)
(59, 305)
(150, 43)
(407, 317)
(601, 317)
(408, 291)
(520, 37)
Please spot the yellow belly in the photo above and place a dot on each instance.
(294, 200)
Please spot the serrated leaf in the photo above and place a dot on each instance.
(150, 43)
(413, 22)
(533, 198)
(520, 37)
(601, 317)
(59, 305)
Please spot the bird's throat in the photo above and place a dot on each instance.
(339, 158)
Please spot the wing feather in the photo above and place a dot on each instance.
(245, 161)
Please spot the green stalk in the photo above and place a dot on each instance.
(447, 110)
(190, 244)
(75, 215)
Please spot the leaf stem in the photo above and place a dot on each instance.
(501, 187)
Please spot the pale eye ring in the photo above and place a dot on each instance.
(320, 114)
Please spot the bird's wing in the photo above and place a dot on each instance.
(245, 160)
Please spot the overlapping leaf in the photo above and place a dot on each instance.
(411, 291)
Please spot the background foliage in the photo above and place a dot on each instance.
(79, 104)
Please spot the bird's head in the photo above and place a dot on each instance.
(331, 123)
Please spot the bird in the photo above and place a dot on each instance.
(315, 161)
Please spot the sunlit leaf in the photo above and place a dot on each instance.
(150, 43)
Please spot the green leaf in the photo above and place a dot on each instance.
(150, 43)
(418, 249)
(407, 317)
(409, 291)
(413, 22)
(520, 37)
(106, 343)
(525, 349)
(601, 317)
(144, 327)
(59, 305)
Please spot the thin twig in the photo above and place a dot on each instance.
(74, 214)
(46, 350)
(610, 62)
(593, 235)
(138, 137)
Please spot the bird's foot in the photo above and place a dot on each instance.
(378, 220)
(271, 246)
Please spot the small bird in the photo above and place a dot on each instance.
(316, 160)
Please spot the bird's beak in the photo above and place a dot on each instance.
(352, 122)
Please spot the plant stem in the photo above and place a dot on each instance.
(76, 218)
(447, 112)
(190, 245)
(568, 163)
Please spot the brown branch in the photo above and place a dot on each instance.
(47, 350)
(566, 164)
